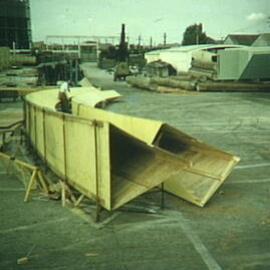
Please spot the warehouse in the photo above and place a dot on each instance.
(180, 57)
(262, 41)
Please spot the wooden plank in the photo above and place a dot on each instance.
(19, 162)
(233, 87)
(30, 184)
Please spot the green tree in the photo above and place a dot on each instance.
(194, 35)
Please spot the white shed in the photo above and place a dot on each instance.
(180, 57)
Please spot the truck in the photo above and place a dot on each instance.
(121, 71)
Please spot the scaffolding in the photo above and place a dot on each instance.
(15, 24)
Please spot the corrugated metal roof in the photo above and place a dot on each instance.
(191, 48)
(243, 39)
(262, 39)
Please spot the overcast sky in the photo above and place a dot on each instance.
(147, 17)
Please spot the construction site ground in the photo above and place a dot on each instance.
(231, 232)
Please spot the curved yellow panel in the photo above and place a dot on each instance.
(114, 158)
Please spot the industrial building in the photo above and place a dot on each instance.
(15, 24)
(262, 40)
(218, 62)
(180, 57)
(241, 39)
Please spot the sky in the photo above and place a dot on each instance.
(148, 18)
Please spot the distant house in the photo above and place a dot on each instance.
(262, 41)
(241, 39)
(248, 63)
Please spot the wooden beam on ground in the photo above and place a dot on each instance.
(77, 203)
(233, 87)
(30, 184)
(36, 174)
(23, 91)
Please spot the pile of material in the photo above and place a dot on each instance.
(210, 86)
(24, 60)
(17, 82)
(5, 60)
(204, 65)
(174, 84)
(19, 77)
(212, 68)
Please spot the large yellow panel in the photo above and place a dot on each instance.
(80, 154)
(32, 123)
(137, 167)
(55, 151)
(27, 116)
(144, 129)
(104, 164)
(87, 158)
(208, 169)
(39, 130)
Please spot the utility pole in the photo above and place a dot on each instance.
(197, 34)
(123, 35)
(164, 39)
(199, 29)
(151, 42)
(128, 42)
(139, 40)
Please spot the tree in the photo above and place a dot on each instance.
(109, 52)
(194, 35)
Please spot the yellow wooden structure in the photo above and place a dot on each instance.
(208, 167)
(114, 158)
(101, 161)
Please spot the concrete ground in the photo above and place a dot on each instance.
(231, 232)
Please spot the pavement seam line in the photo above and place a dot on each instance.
(12, 189)
(258, 165)
(31, 226)
(206, 256)
(250, 181)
